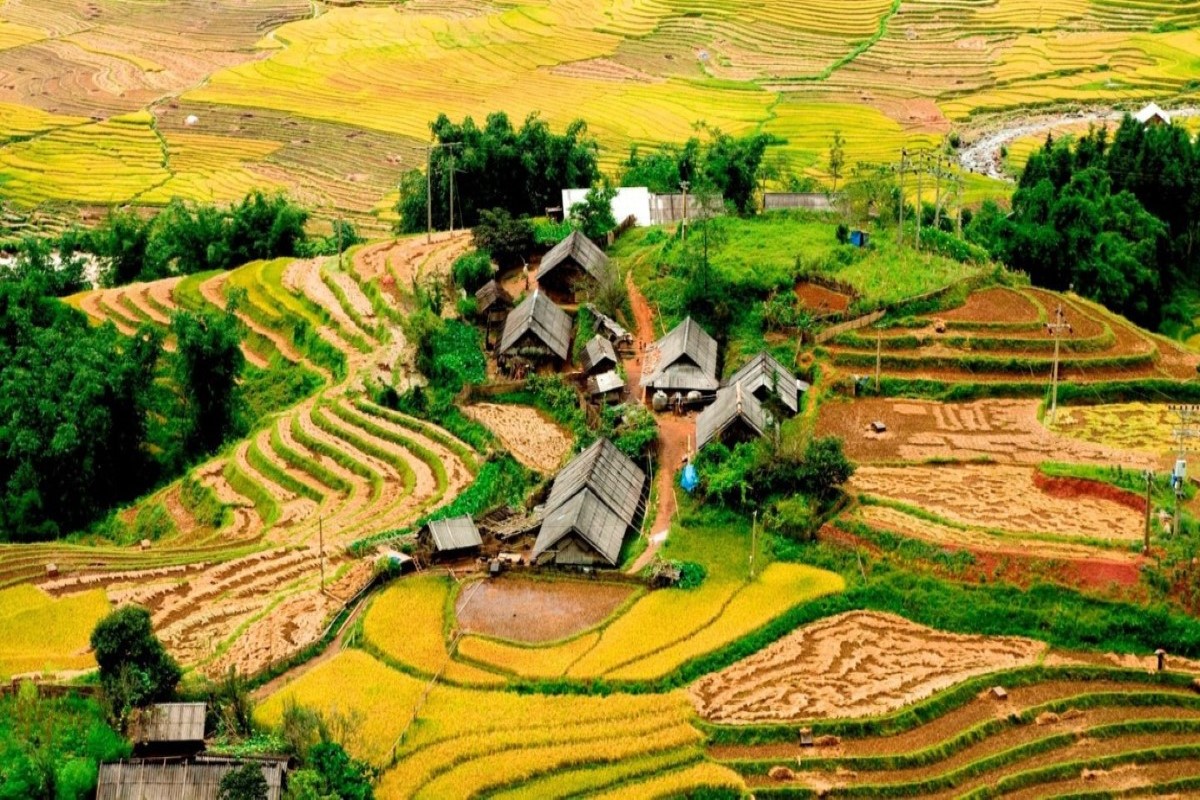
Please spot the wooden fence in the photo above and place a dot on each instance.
(848, 325)
(809, 201)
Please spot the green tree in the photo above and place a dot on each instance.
(244, 783)
(837, 157)
(594, 216)
(508, 239)
(120, 242)
(345, 777)
(135, 669)
(732, 163)
(207, 365)
(472, 270)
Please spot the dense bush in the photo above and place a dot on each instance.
(509, 239)
(752, 473)
(472, 270)
(135, 668)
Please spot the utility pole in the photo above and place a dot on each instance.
(878, 358)
(920, 175)
(903, 169)
(1056, 329)
(1183, 433)
(1146, 540)
(753, 541)
(321, 545)
(452, 191)
(429, 148)
(684, 186)
(339, 231)
(937, 196)
(958, 207)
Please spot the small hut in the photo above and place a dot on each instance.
(492, 303)
(610, 329)
(180, 779)
(683, 361)
(573, 265)
(735, 416)
(598, 356)
(764, 377)
(166, 729)
(1152, 116)
(537, 330)
(450, 538)
(607, 387)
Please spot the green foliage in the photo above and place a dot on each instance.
(455, 356)
(791, 517)
(661, 169)
(280, 386)
(508, 239)
(691, 574)
(344, 777)
(951, 246)
(342, 237)
(208, 364)
(594, 216)
(202, 502)
(247, 782)
(135, 669)
(632, 429)
(547, 234)
(472, 270)
(522, 171)
(50, 749)
(74, 403)
(753, 472)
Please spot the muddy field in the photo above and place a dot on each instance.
(995, 305)
(855, 664)
(533, 440)
(820, 300)
(538, 610)
(1005, 498)
(1005, 431)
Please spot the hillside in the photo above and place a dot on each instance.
(204, 100)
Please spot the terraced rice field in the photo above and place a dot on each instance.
(203, 100)
(336, 467)
(983, 343)
(42, 633)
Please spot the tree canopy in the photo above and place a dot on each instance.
(135, 668)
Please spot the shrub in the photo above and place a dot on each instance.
(244, 783)
(135, 669)
(472, 270)
(842, 233)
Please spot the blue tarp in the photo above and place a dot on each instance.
(689, 480)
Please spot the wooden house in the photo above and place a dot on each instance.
(610, 329)
(537, 331)
(593, 504)
(735, 416)
(683, 361)
(169, 729)
(180, 779)
(598, 356)
(607, 387)
(764, 377)
(450, 538)
(572, 268)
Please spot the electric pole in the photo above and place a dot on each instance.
(903, 169)
(1183, 433)
(451, 191)
(429, 148)
(1146, 540)
(958, 206)
(684, 186)
(937, 196)
(878, 358)
(1056, 329)
(321, 545)
(920, 175)
(753, 541)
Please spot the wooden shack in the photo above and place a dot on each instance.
(180, 778)
(607, 387)
(598, 356)
(765, 378)
(492, 303)
(735, 416)
(572, 268)
(683, 361)
(163, 729)
(450, 538)
(536, 331)
(593, 504)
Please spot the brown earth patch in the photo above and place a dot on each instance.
(995, 305)
(818, 298)
(1071, 488)
(538, 611)
(532, 439)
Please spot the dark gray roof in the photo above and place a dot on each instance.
(604, 383)
(608, 472)
(538, 315)
(765, 372)
(599, 354)
(170, 722)
(615, 330)
(686, 360)
(733, 403)
(586, 515)
(455, 533)
(163, 779)
(579, 249)
(492, 294)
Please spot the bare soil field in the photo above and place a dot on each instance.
(1005, 431)
(819, 299)
(538, 610)
(855, 664)
(533, 440)
(997, 305)
(1002, 497)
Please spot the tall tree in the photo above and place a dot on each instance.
(207, 365)
(135, 668)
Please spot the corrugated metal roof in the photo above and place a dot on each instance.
(492, 294)
(455, 533)
(171, 722)
(159, 779)
(604, 383)
(586, 515)
(608, 472)
(764, 372)
(598, 353)
(578, 249)
(540, 316)
(686, 360)
(733, 403)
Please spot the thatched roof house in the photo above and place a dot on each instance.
(763, 376)
(684, 360)
(592, 505)
(453, 535)
(598, 355)
(492, 298)
(536, 328)
(735, 416)
(571, 263)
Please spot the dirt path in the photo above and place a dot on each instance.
(674, 432)
(983, 155)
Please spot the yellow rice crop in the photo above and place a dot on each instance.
(678, 784)
(38, 632)
(529, 662)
